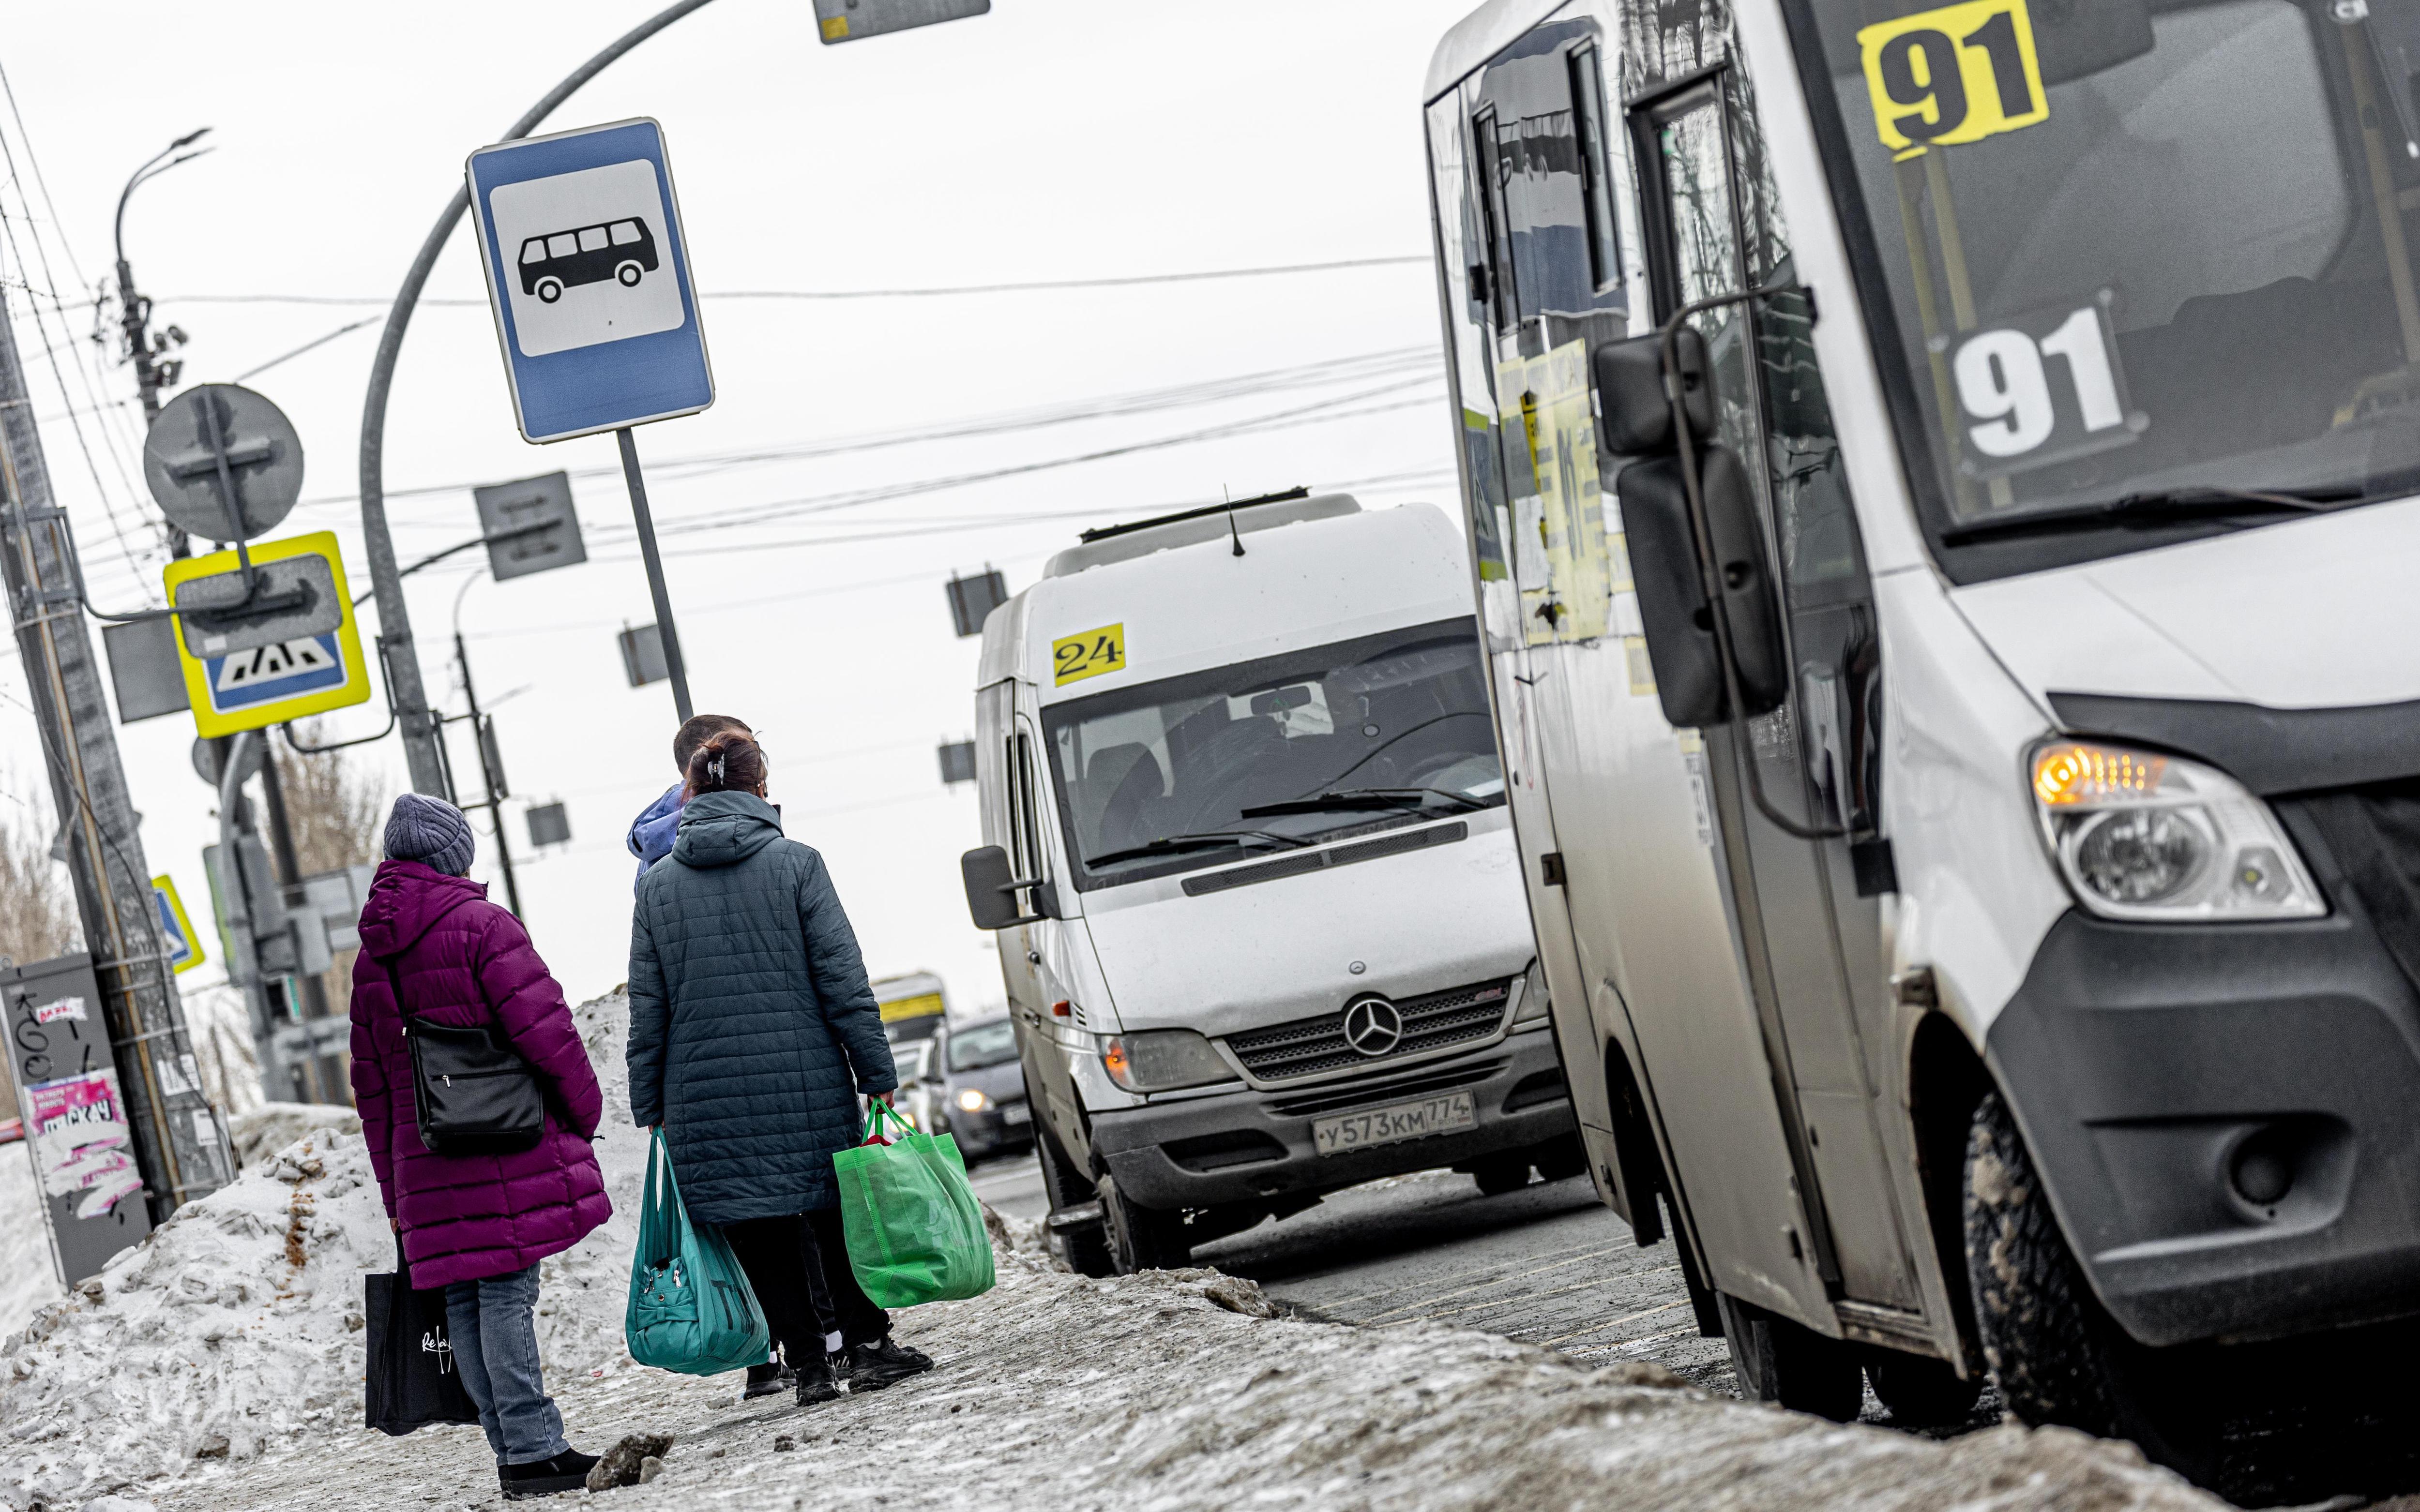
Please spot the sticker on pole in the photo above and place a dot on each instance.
(177, 936)
(588, 277)
(277, 644)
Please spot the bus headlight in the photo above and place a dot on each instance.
(1536, 1007)
(2148, 836)
(1162, 1061)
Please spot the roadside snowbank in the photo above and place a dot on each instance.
(263, 1131)
(27, 1278)
(220, 1370)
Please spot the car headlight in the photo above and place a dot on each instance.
(1536, 1006)
(972, 1098)
(2142, 836)
(1162, 1061)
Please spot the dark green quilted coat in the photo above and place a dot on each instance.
(752, 1029)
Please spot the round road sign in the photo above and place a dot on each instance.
(209, 766)
(213, 438)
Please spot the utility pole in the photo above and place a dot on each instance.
(151, 374)
(492, 774)
(178, 1145)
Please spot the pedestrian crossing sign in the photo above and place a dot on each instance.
(287, 648)
(177, 936)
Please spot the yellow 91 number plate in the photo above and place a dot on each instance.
(1077, 656)
(1953, 75)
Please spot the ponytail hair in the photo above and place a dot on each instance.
(730, 761)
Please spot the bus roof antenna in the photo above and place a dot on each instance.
(1232, 534)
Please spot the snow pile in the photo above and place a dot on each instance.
(270, 1127)
(27, 1278)
(238, 1325)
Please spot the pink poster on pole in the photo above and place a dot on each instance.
(78, 1127)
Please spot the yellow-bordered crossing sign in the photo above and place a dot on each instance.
(292, 650)
(176, 935)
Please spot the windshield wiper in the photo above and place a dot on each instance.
(1364, 798)
(1178, 845)
(2158, 507)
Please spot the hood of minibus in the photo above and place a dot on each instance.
(2311, 613)
(1244, 958)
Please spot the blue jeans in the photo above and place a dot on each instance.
(495, 1347)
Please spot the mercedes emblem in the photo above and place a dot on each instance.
(1373, 1027)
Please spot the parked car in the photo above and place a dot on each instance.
(919, 1099)
(977, 1089)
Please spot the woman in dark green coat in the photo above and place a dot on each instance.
(752, 1034)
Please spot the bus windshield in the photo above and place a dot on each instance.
(2134, 258)
(1274, 754)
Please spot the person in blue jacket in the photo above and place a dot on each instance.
(753, 1033)
(652, 832)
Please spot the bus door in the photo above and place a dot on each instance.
(1808, 911)
(1013, 809)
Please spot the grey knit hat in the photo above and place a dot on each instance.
(430, 831)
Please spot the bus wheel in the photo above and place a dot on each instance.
(1922, 1393)
(628, 274)
(550, 289)
(2057, 1355)
(1780, 1361)
(1085, 1250)
(1140, 1238)
(1499, 1174)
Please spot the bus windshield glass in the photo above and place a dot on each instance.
(1271, 755)
(2134, 259)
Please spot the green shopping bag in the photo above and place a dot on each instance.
(691, 1308)
(914, 1231)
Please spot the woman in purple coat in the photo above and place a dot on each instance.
(475, 1225)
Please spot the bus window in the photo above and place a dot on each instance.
(562, 244)
(626, 232)
(592, 239)
(1587, 103)
(1495, 221)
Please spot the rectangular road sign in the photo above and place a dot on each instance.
(177, 934)
(529, 525)
(846, 21)
(297, 655)
(588, 276)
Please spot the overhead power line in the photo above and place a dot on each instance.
(948, 291)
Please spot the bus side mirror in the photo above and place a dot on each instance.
(1636, 407)
(992, 888)
(1672, 608)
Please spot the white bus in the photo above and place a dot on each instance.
(1941, 486)
(1248, 853)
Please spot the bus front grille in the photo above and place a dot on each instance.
(1316, 1046)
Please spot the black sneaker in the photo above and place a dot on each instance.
(766, 1379)
(881, 1362)
(816, 1382)
(567, 1472)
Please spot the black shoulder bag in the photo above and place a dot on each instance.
(471, 1095)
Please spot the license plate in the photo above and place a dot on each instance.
(1393, 1123)
(1016, 1113)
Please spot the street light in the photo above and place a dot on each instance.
(135, 311)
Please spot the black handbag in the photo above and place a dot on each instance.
(470, 1094)
(412, 1381)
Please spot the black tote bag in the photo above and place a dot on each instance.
(412, 1381)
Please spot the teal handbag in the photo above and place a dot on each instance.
(692, 1309)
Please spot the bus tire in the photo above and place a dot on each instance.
(628, 274)
(1790, 1364)
(1086, 1250)
(550, 290)
(1921, 1392)
(2057, 1353)
(1499, 1174)
(1139, 1238)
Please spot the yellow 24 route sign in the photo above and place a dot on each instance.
(1953, 75)
(1077, 656)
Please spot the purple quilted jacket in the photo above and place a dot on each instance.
(462, 962)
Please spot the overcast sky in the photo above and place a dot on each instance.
(1052, 140)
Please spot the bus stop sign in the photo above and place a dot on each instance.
(286, 649)
(846, 21)
(588, 278)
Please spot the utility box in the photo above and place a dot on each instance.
(76, 1127)
(849, 20)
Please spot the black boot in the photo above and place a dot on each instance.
(567, 1472)
(816, 1382)
(765, 1379)
(881, 1362)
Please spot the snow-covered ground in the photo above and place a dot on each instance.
(27, 1278)
(220, 1369)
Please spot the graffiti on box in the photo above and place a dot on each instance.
(78, 1128)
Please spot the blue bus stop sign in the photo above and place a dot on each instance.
(588, 276)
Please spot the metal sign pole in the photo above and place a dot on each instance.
(672, 664)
